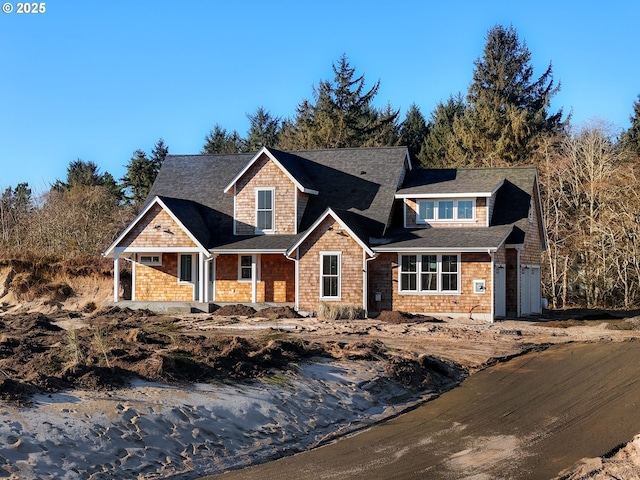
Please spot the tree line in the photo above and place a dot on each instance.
(587, 173)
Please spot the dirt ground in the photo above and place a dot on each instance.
(103, 349)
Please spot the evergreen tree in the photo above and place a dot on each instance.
(343, 114)
(263, 130)
(630, 139)
(413, 131)
(139, 177)
(507, 109)
(219, 141)
(440, 139)
(85, 174)
(142, 172)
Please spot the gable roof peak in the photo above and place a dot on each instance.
(291, 168)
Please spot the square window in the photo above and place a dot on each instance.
(426, 211)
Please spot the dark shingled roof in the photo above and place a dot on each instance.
(459, 181)
(358, 184)
(361, 181)
(454, 239)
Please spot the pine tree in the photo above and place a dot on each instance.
(507, 109)
(440, 139)
(219, 141)
(630, 139)
(413, 131)
(343, 114)
(263, 130)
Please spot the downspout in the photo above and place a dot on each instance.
(492, 319)
(365, 280)
(518, 284)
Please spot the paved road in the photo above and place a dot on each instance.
(529, 418)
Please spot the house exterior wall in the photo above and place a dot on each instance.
(329, 236)
(531, 254)
(265, 173)
(411, 212)
(160, 283)
(145, 233)
(383, 278)
(276, 281)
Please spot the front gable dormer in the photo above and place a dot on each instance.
(270, 194)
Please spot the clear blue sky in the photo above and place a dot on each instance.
(97, 80)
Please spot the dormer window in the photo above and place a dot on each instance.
(445, 210)
(264, 210)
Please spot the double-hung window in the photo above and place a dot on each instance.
(264, 210)
(445, 210)
(330, 275)
(245, 268)
(429, 273)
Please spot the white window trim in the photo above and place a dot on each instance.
(151, 263)
(439, 274)
(339, 275)
(435, 219)
(273, 209)
(193, 270)
(254, 259)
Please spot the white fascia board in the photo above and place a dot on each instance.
(320, 219)
(199, 247)
(443, 195)
(434, 250)
(243, 251)
(162, 250)
(265, 150)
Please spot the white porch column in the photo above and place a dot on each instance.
(116, 275)
(254, 279)
(201, 275)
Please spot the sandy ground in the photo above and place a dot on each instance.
(160, 430)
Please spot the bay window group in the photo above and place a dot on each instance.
(429, 273)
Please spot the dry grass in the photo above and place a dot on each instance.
(340, 311)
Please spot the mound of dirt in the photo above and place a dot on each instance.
(404, 317)
(274, 313)
(235, 311)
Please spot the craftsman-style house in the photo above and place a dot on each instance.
(358, 226)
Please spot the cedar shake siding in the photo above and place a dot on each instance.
(157, 228)
(159, 283)
(335, 225)
(329, 236)
(411, 215)
(264, 173)
(276, 280)
(383, 279)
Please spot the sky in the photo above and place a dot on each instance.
(97, 80)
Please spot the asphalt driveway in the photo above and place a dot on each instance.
(529, 418)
